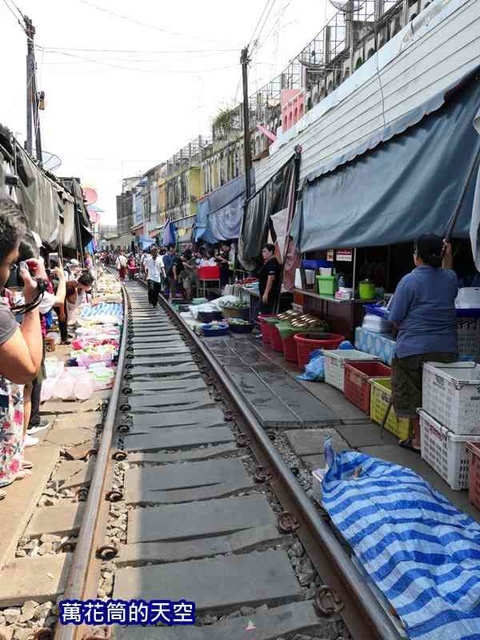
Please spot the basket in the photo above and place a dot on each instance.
(335, 365)
(474, 474)
(357, 386)
(308, 342)
(277, 343)
(289, 349)
(241, 328)
(236, 312)
(210, 332)
(266, 329)
(451, 396)
(445, 452)
(468, 337)
(380, 393)
(327, 285)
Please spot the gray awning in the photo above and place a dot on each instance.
(405, 186)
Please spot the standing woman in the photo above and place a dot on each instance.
(20, 347)
(269, 280)
(423, 312)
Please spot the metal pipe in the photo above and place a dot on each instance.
(381, 624)
(83, 552)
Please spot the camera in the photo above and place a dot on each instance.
(15, 280)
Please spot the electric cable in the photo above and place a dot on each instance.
(139, 23)
(20, 21)
(257, 39)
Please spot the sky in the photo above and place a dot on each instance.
(128, 84)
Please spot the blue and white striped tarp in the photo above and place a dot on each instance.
(421, 552)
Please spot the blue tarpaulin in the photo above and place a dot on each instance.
(418, 549)
(407, 185)
(219, 215)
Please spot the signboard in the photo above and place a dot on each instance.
(344, 255)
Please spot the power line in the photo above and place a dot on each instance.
(139, 23)
(257, 39)
(148, 51)
(259, 21)
(20, 21)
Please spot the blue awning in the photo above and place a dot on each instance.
(404, 182)
(219, 215)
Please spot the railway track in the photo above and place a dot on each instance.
(193, 513)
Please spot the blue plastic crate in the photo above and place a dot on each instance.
(316, 264)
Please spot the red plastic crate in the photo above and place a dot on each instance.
(290, 349)
(474, 474)
(265, 328)
(357, 385)
(277, 344)
(306, 344)
(208, 273)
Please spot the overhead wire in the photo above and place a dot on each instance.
(265, 20)
(19, 20)
(140, 23)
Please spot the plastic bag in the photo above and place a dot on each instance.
(315, 369)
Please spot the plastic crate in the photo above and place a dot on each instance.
(327, 285)
(208, 273)
(290, 349)
(380, 393)
(316, 264)
(474, 474)
(357, 376)
(335, 365)
(445, 452)
(451, 395)
(306, 343)
(468, 336)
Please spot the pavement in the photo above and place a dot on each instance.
(269, 386)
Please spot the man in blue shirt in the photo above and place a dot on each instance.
(423, 311)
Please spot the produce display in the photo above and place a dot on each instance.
(212, 328)
(237, 304)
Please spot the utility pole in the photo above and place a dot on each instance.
(244, 60)
(33, 116)
(30, 33)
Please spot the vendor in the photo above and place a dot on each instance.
(423, 312)
(223, 261)
(269, 280)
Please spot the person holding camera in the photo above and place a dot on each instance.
(20, 346)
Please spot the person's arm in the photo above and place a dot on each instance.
(21, 354)
(401, 303)
(447, 262)
(62, 287)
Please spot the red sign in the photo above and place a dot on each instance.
(344, 255)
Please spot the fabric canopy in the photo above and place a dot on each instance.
(404, 187)
(475, 224)
(270, 199)
(220, 213)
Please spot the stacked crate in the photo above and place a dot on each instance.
(450, 418)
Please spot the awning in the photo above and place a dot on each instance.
(270, 199)
(220, 213)
(404, 187)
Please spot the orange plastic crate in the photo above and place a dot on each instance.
(357, 385)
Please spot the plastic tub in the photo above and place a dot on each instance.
(266, 328)
(209, 316)
(380, 394)
(308, 342)
(357, 386)
(335, 365)
(290, 349)
(327, 285)
(208, 273)
(445, 452)
(277, 343)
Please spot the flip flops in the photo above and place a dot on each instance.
(407, 444)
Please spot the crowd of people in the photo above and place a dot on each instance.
(35, 287)
(175, 274)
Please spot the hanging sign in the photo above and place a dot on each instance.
(330, 255)
(344, 255)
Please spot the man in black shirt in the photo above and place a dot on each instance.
(224, 263)
(269, 280)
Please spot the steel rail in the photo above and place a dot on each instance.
(370, 617)
(84, 551)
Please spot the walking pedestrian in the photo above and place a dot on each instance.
(121, 265)
(155, 272)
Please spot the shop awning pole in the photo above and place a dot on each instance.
(456, 213)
